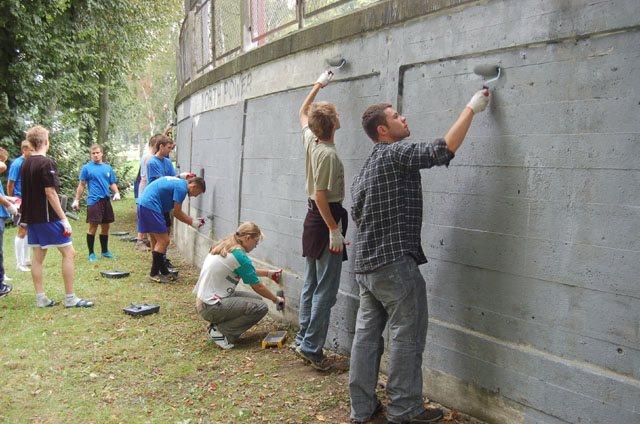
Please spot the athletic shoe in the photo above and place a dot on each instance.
(5, 289)
(168, 263)
(108, 255)
(159, 278)
(428, 416)
(23, 268)
(78, 303)
(219, 338)
(7, 278)
(92, 257)
(321, 365)
(49, 303)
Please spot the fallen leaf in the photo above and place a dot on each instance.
(451, 415)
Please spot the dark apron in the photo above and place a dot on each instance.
(315, 233)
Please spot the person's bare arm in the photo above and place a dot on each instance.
(10, 187)
(54, 201)
(458, 130)
(325, 211)
(79, 190)
(304, 109)
(4, 202)
(181, 216)
(263, 291)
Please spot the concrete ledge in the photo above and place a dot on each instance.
(375, 17)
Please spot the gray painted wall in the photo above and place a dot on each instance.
(532, 233)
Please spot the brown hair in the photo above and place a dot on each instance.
(37, 136)
(95, 146)
(160, 140)
(154, 140)
(199, 181)
(322, 119)
(372, 117)
(232, 241)
(25, 145)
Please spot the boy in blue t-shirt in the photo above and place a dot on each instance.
(159, 165)
(14, 188)
(101, 180)
(163, 195)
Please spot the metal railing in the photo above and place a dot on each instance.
(271, 16)
(221, 29)
(227, 25)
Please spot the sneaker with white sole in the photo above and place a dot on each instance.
(23, 268)
(219, 338)
(159, 278)
(323, 364)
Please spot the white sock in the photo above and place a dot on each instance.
(17, 244)
(26, 252)
(41, 299)
(70, 299)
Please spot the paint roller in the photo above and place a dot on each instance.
(487, 71)
(336, 62)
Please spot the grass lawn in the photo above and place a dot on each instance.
(100, 365)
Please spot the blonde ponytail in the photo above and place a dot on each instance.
(232, 241)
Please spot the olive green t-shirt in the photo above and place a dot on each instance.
(324, 170)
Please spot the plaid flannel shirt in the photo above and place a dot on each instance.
(387, 202)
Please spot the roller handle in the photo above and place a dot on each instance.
(280, 305)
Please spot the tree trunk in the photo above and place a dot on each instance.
(103, 109)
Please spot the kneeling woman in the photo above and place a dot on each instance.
(232, 312)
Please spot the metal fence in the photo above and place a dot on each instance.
(227, 24)
(216, 30)
(271, 16)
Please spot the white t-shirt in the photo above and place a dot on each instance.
(220, 275)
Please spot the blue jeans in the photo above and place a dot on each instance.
(1, 252)
(319, 292)
(394, 294)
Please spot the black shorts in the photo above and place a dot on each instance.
(168, 219)
(100, 212)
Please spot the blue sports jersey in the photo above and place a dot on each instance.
(157, 168)
(3, 212)
(98, 176)
(14, 175)
(162, 193)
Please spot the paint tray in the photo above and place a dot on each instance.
(141, 310)
(274, 339)
(114, 274)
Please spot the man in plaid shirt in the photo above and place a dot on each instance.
(387, 210)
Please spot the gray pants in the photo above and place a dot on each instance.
(395, 293)
(235, 314)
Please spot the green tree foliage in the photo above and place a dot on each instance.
(67, 63)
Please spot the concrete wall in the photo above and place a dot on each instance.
(532, 233)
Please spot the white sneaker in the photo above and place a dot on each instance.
(219, 338)
(24, 268)
(7, 278)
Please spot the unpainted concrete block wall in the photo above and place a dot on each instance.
(532, 233)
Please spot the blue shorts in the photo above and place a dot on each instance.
(150, 221)
(47, 234)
